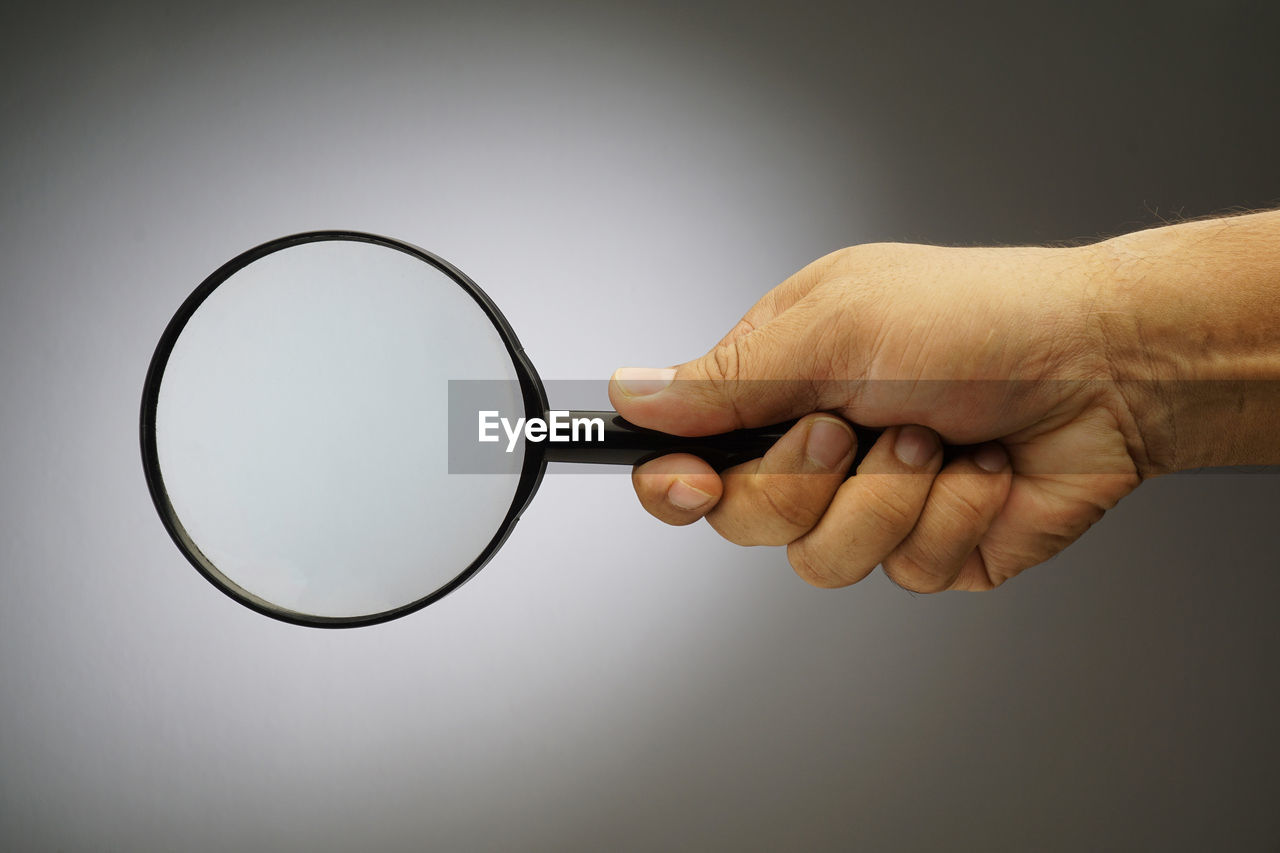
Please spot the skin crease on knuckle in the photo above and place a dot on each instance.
(829, 342)
(883, 501)
(754, 521)
(914, 575)
(997, 565)
(965, 498)
(886, 504)
(710, 380)
(783, 501)
(916, 565)
(726, 360)
(965, 502)
(815, 569)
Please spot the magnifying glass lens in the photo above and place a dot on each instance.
(301, 431)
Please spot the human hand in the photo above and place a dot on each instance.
(1000, 349)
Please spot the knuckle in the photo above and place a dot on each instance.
(996, 569)
(962, 499)
(856, 262)
(732, 528)
(725, 364)
(914, 575)
(812, 567)
(889, 505)
(786, 499)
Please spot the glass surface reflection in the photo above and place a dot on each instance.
(301, 429)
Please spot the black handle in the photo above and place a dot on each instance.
(624, 443)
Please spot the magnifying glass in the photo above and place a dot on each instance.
(326, 429)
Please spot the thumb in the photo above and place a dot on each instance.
(756, 379)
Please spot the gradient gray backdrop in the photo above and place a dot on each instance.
(624, 180)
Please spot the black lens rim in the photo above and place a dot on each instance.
(532, 471)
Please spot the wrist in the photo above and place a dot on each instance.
(1189, 317)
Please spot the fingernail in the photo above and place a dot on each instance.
(991, 457)
(685, 496)
(915, 446)
(829, 442)
(643, 381)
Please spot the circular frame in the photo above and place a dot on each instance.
(532, 390)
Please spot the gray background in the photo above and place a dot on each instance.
(624, 182)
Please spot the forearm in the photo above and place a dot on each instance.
(1192, 319)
